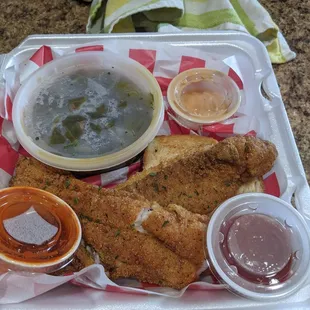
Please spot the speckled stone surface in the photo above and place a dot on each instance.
(18, 19)
(293, 18)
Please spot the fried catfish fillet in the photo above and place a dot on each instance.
(129, 235)
(180, 230)
(128, 253)
(165, 149)
(201, 181)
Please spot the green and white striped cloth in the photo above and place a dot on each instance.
(188, 15)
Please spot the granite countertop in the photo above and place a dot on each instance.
(18, 19)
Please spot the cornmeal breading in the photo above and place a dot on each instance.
(180, 230)
(129, 253)
(201, 181)
(166, 149)
(109, 221)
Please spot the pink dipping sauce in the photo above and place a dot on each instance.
(259, 246)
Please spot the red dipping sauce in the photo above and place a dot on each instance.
(259, 246)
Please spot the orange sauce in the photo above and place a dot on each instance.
(16, 201)
(201, 96)
(203, 103)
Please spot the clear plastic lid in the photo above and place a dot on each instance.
(38, 231)
(203, 96)
(88, 111)
(258, 246)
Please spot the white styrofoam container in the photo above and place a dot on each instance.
(253, 60)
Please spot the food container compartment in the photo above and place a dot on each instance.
(255, 66)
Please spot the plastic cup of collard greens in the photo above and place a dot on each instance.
(88, 111)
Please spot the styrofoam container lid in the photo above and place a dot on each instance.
(107, 62)
(259, 246)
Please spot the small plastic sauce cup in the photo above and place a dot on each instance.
(39, 232)
(259, 246)
(202, 96)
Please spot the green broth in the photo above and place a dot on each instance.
(88, 113)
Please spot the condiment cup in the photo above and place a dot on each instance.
(39, 232)
(259, 246)
(202, 96)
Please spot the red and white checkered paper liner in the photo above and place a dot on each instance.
(165, 62)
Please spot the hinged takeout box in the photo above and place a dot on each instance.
(240, 56)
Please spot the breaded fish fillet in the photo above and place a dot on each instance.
(129, 253)
(116, 208)
(165, 149)
(201, 181)
(110, 220)
(180, 230)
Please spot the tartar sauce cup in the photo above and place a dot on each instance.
(202, 96)
(39, 232)
(259, 246)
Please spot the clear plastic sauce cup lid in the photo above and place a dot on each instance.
(203, 95)
(259, 246)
